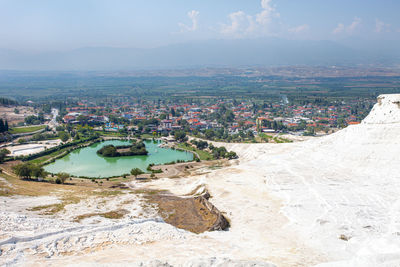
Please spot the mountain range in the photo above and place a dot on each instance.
(215, 53)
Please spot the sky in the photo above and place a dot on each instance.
(55, 25)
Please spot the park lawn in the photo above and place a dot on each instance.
(204, 155)
(116, 134)
(28, 129)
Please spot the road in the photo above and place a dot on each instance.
(53, 122)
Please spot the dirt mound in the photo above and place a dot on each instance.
(194, 214)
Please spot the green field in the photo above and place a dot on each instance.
(113, 134)
(28, 129)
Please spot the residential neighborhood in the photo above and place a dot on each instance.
(230, 116)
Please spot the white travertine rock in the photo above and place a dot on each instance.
(387, 110)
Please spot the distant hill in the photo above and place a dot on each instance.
(217, 53)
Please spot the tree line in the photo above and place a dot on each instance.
(3, 126)
(7, 102)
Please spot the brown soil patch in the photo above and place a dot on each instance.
(194, 214)
(8, 113)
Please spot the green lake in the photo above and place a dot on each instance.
(86, 162)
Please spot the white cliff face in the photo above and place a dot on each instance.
(330, 201)
(387, 110)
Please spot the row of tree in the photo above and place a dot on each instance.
(3, 126)
(218, 152)
(29, 170)
(7, 102)
(34, 120)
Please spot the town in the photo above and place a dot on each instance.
(228, 120)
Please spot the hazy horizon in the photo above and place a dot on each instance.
(61, 26)
(109, 35)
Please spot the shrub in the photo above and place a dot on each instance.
(136, 171)
(62, 177)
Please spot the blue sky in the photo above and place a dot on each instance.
(61, 25)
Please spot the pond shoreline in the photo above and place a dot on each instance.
(88, 169)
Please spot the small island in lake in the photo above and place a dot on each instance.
(135, 149)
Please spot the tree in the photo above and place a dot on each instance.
(2, 127)
(82, 119)
(136, 171)
(3, 153)
(231, 155)
(108, 151)
(37, 171)
(219, 152)
(62, 177)
(180, 136)
(23, 170)
(63, 136)
(201, 145)
(32, 119)
(229, 116)
(250, 134)
(209, 134)
(275, 126)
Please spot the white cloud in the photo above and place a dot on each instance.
(380, 26)
(194, 17)
(242, 24)
(350, 29)
(339, 29)
(299, 29)
(268, 12)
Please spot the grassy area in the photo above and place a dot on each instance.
(71, 193)
(28, 129)
(282, 140)
(116, 214)
(55, 208)
(43, 159)
(204, 155)
(277, 139)
(115, 134)
(56, 153)
(146, 136)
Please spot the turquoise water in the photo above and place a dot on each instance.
(86, 162)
